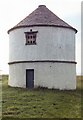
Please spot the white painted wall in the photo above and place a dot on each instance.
(51, 75)
(53, 43)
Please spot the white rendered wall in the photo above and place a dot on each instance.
(47, 74)
(53, 43)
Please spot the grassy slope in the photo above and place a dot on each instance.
(40, 103)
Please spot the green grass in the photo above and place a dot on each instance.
(20, 104)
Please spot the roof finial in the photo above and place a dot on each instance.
(41, 6)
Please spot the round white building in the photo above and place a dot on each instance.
(42, 52)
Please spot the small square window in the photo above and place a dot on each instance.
(31, 37)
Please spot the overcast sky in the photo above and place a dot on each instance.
(13, 11)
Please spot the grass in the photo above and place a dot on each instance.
(20, 104)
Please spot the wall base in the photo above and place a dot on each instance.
(51, 75)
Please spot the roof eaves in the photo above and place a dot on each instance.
(40, 25)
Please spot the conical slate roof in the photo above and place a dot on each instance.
(42, 16)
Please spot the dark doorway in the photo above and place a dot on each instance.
(30, 78)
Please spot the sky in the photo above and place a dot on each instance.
(13, 11)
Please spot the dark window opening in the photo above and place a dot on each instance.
(33, 41)
(30, 30)
(34, 36)
(31, 37)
